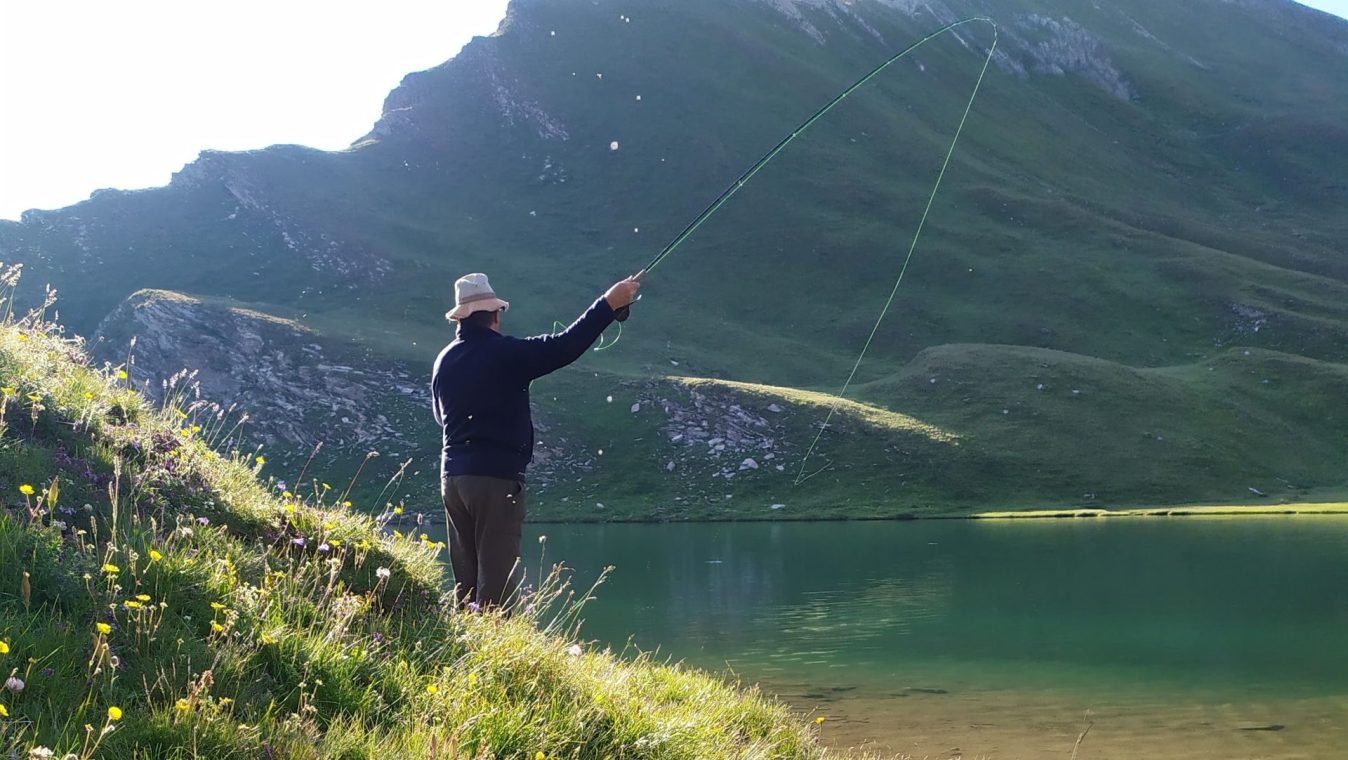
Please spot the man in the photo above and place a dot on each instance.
(480, 386)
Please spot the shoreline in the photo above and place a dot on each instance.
(1197, 510)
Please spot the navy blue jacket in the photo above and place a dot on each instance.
(480, 390)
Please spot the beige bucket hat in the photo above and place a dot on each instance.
(473, 293)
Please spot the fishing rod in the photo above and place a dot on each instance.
(622, 314)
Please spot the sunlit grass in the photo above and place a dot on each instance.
(884, 419)
(1302, 508)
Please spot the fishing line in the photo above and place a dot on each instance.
(917, 234)
(739, 182)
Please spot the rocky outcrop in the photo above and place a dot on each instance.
(1060, 46)
(296, 387)
(714, 433)
(1031, 43)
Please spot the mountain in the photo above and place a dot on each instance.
(1133, 286)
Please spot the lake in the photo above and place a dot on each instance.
(1169, 637)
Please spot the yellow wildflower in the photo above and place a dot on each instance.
(183, 705)
(261, 460)
(4, 713)
(540, 756)
(114, 713)
(287, 494)
(431, 688)
(121, 374)
(111, 569)
(104, 628)
(4, 648)
(8, 391)
(143, 597)
(132, 604)
(26, 489)
(397, 510)
(217, 606)
(215, 626)
(155, 556)
(819, 721)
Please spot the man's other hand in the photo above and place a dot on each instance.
(623, 293)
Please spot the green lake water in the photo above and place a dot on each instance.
(1172, 637)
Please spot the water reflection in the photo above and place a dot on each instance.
(1229, 608)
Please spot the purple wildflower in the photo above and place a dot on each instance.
(298, 541)
(203, 521)
(474, 607)
(323, 547)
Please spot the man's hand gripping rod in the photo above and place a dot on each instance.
(623, 313)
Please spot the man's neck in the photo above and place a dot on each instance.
(468, 330)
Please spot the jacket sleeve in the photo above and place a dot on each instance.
(542, 354)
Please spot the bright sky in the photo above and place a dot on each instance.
(1337, 7)
(122, 93)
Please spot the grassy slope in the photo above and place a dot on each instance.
(148, 573)
(1116, 235)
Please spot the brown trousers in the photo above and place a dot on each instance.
(484, 516)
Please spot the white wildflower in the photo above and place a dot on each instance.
(383, 573)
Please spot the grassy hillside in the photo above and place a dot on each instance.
(1143, 193)
(158, 601)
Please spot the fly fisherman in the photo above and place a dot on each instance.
(480, 389)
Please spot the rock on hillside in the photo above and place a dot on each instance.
(296, 387)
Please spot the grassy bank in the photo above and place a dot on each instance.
(158, 601)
